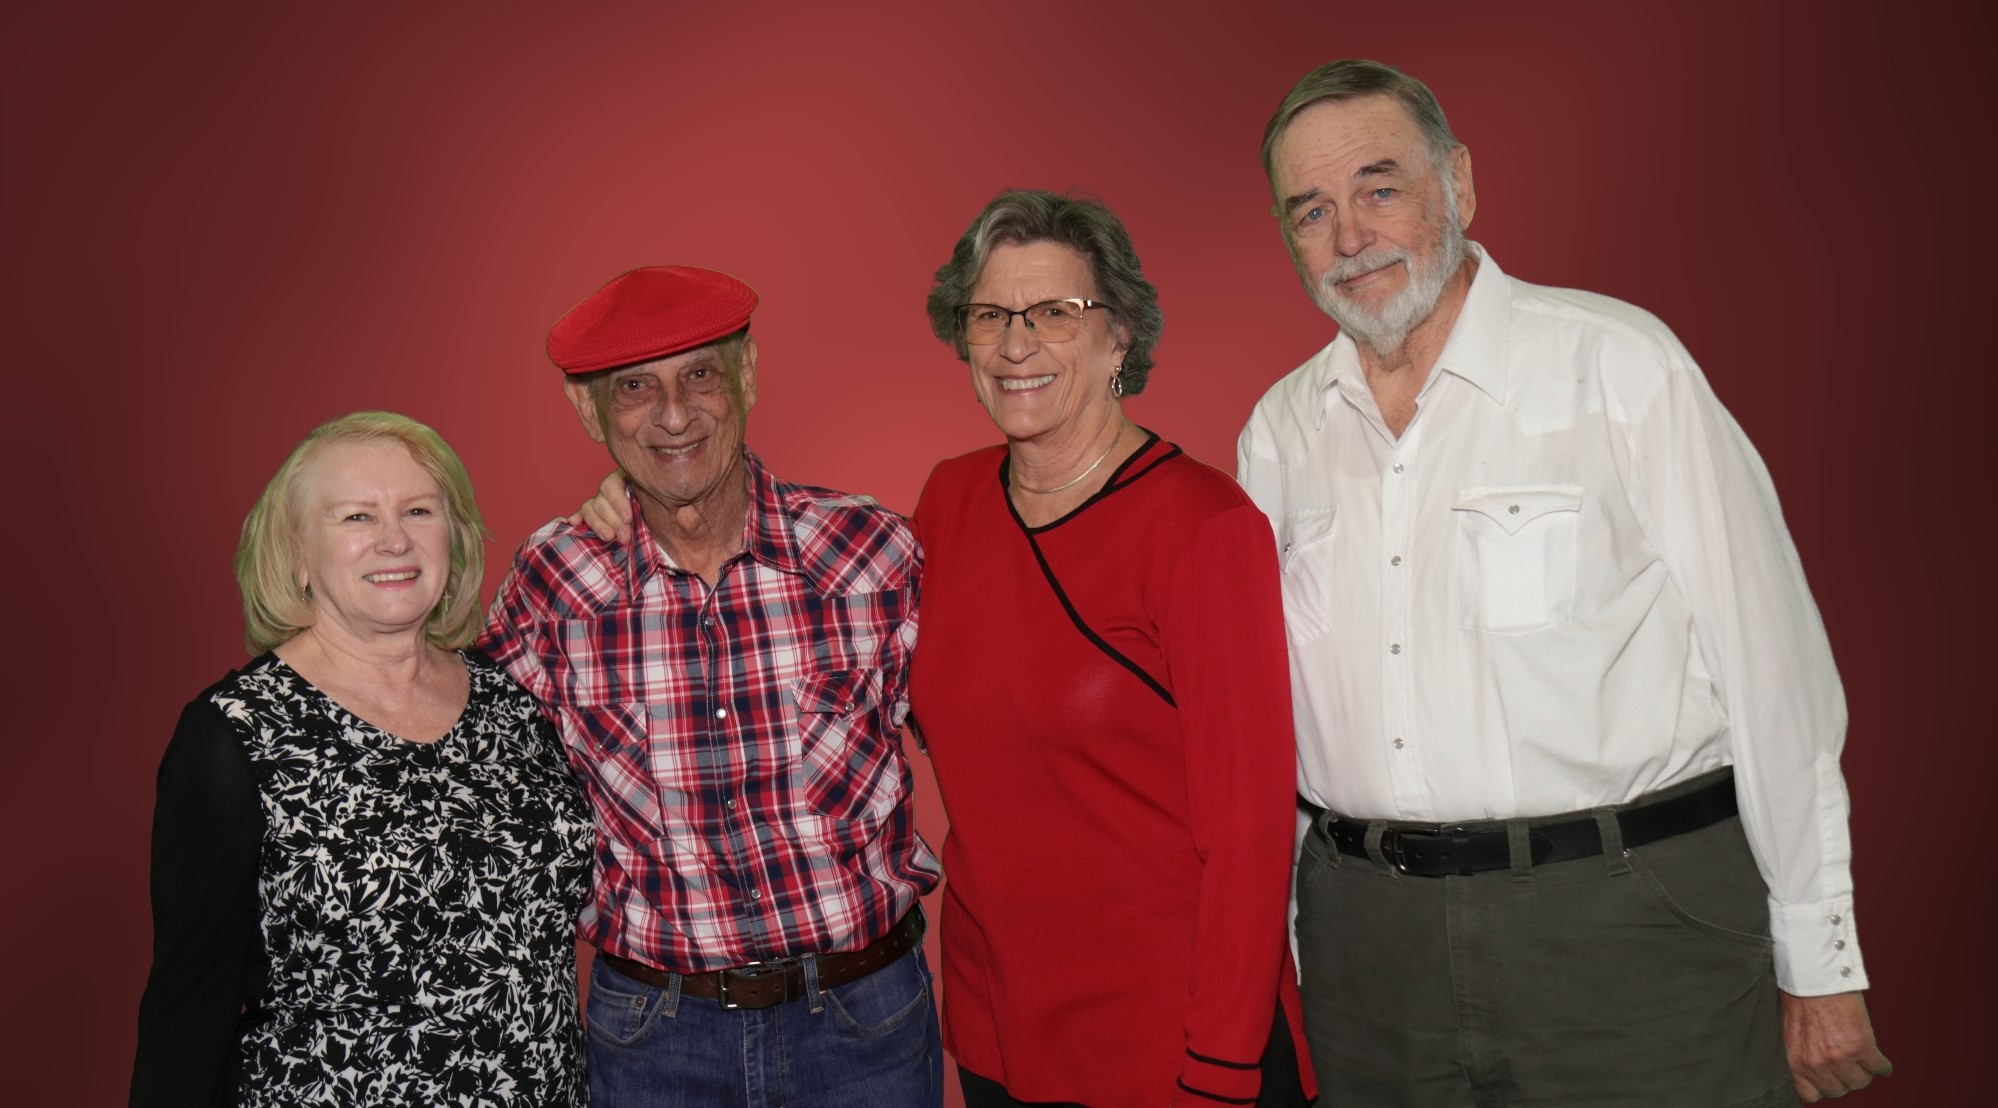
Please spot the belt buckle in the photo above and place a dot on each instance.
(1459, 836)
(747, 969)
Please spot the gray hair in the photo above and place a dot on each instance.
(1083, 224)
(1353, 79)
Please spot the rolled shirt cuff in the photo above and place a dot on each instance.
(1817, 948)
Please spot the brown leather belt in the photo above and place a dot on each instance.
(768, 984)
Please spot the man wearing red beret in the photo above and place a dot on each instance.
(730, 685)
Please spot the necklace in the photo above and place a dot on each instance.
(1077, 479)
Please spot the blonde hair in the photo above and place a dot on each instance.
(275, 607)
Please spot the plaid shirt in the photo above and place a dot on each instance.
(740, 743)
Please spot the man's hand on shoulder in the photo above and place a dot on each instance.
(609, 512)
(1830, 1041)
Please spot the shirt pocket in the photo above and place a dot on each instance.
(1304, 551)
(844, 756)
(616, 762)
(1515, 560)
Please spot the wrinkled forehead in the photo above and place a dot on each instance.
(1017, 274)
(710, 356)
(1341, 137)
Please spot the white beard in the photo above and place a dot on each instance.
(1383, 330)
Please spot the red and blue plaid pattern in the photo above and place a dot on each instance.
(740, 744)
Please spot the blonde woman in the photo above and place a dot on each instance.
(368, 851)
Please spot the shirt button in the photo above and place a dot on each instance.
(1836, 920)
(1395, 561)
(1845, 971)
(1838, 944)
(721, 713)
(1286, 548)
(1397, 744)
(730, 802)
(707, 621)
(1397, 467)
(1514, 509)
(756, 894)
(1394, 649)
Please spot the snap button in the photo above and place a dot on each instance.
(1514, 509)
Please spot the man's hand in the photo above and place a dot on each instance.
(1830, 1040)
(609, 512)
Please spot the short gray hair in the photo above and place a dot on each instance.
(1353, 79)
(1081, 223)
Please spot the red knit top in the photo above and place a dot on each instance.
(1106, 701)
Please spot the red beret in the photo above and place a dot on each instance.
(651, 312)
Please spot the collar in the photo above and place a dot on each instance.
(1475, 349)
(766, 532)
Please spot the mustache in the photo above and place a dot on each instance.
(1345, 269)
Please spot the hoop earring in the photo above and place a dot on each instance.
(1117, 383)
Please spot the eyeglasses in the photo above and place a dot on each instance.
(1049, 320)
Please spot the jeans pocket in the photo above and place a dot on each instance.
(1515, 561)
(883, 1000)
(620, 1011)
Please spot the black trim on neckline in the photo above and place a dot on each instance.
(1118, 480)
(1054, 583)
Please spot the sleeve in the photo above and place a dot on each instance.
(1224, 645)
(513, 631)
(902, 643)
(1255, 467)
(1710, 508)
(207, 831)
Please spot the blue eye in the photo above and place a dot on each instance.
(1314, 215)
(1383, 194)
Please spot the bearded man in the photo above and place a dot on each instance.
(1568, 725)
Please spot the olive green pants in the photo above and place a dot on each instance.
(1640, 978)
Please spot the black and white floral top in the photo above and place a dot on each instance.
(342, 917)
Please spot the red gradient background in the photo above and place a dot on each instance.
(223, 224)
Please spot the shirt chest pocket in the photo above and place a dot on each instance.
(845, 760)
(1304, 549)
(1515, 558)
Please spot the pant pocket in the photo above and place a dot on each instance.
(621, 1011)
(1707, 881)
(883, 1000)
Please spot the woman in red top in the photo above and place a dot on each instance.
(1102, 683)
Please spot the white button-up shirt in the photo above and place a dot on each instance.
(1567, 584)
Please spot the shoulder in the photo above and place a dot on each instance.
(964, 471)
(1631, 350)
(208, 745)
(1294, 396)
(1191, 490)
(848, 542)
(566, 569)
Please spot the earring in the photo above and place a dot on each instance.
(1117, 382)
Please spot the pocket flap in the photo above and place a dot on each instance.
(1512, 508)
(839, 692)
(1301, 528)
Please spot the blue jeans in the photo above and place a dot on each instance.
(871, 1043)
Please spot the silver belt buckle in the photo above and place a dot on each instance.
(748, 969)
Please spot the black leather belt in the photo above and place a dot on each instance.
(768, 984)
(1448, 851)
